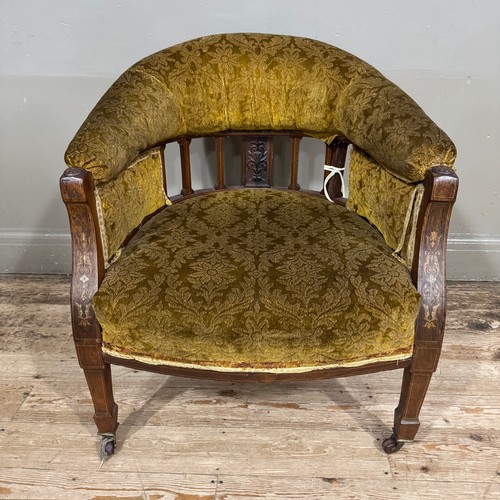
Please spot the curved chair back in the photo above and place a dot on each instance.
(257, 82)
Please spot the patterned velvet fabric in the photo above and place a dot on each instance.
(259, 280)
(257, 82)
(389, 203)
(123, 202)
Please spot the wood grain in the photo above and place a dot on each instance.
(188, 439)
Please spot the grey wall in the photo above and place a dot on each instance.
(58, 57)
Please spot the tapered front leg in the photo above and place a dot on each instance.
(101, 390)
(429, 276)
(413, 391)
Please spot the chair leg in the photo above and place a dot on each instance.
(101, 390)
(413, 391)
(406, 423)
(106, 410)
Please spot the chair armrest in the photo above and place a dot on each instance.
(429, 263)
(77, 190)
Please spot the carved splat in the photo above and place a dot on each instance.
(257, 161)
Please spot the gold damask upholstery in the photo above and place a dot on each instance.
(257, 280)
(258, 82)
(389, 203)
(126, 200)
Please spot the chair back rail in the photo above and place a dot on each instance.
(257, 153)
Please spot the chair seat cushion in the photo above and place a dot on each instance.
(257, 280)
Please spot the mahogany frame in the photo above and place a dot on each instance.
(428, 275)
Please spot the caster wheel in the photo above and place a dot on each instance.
(107, 447)
(392, 445)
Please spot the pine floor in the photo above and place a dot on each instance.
(197, 440)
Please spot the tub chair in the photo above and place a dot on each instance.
(256, 282)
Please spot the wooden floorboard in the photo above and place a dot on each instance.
(185, 439)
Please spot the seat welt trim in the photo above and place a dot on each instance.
(228, 369)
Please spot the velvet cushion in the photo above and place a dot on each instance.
(258, 82)
(258, 280)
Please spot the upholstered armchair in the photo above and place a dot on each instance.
(258, 282)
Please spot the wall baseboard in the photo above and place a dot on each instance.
(35, 251)
(470, 257)
(473, 257)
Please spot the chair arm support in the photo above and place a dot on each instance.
(429, 269)
(77, 190)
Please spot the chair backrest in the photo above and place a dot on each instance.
(257, 83)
